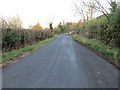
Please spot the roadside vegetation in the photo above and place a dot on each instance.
(14, 53)
(18, 41)
(109, 52)
(100, 33)
(15, 39)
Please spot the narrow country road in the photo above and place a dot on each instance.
(63, 63)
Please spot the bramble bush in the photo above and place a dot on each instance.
(16, 39)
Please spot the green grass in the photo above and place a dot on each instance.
(11, 54)
(109, 52)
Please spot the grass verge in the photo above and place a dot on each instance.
(12, 54)
(106, 51)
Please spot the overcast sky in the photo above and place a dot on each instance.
(33, 11)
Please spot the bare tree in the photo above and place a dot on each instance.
(85, 10)
(51, 26)
(50, 22)
(80, 9)
(99, 7)
(12, 22)
(3, 23)
(91, 8)
(15, 22)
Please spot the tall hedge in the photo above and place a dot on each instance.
(16, 39)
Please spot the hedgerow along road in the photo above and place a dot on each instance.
(63, 63)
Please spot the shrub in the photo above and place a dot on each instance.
(105, 30)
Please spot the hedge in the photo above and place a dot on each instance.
(16, 39)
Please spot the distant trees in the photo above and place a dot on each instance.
(67, 27)
(37, 26)
(62, 27)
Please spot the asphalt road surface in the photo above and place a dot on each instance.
(63, 63)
